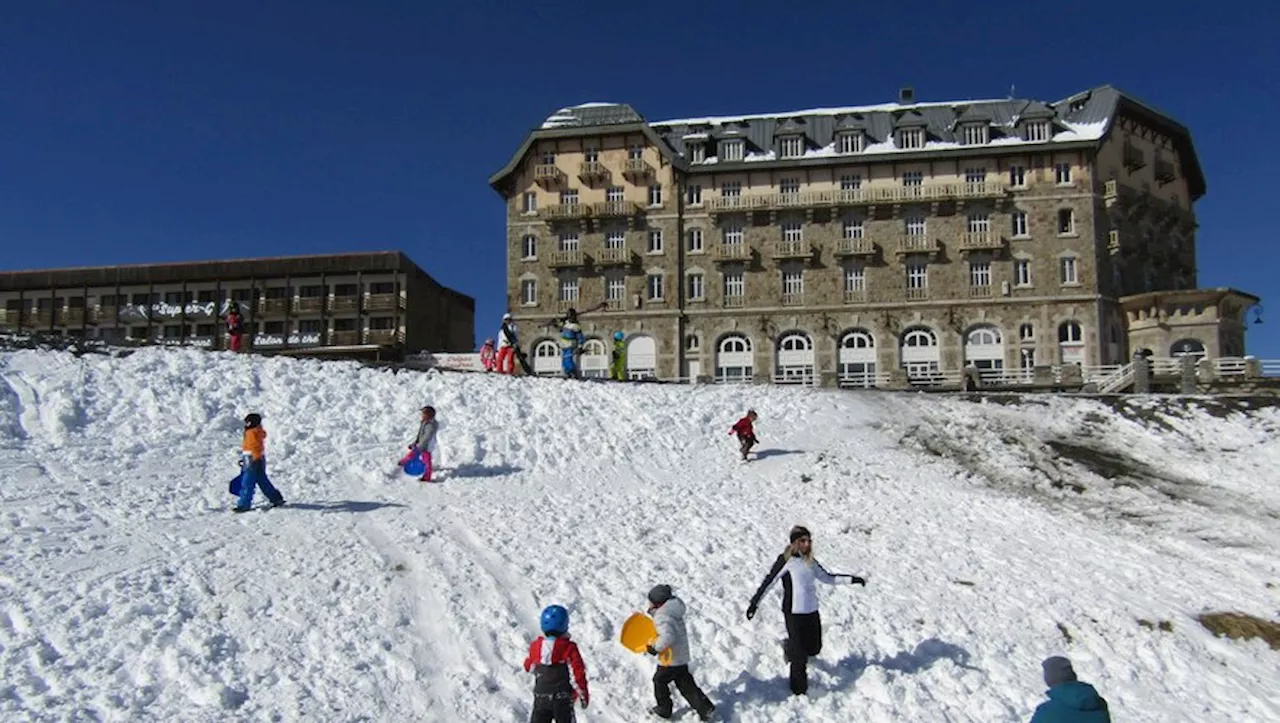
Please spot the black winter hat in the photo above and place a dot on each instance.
(252, 420)
(799, 531)
(659, 594)
(1058, 670)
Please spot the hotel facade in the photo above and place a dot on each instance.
(902, 243)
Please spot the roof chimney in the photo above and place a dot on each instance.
(906, 95)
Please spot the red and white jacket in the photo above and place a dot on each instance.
(558, 668)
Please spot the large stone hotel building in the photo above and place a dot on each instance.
(894, 243)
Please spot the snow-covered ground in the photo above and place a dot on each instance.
(128, 591)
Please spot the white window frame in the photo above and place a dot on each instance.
(1062, 174)
(734, 235)
(529, 247)
(655, 286)
(693, 195)
(1037, 131)
(1020, 224)
(697, 153)
(851, 182)
(655, 194)
(529, 292)
(548, 157)
(731, 189)
(789, 186)
(614, 240)
(569, 289)
(853, 229)
(976, 174)
(791, 147)
(696, 286)
(1017, 176)
(792, 231)
(979, 273)
(735, 284)
(916, 226)
(655, 242)
(917, 275)
(912, 179)
(793, 282)
(1022, 273)
(849, 142)
(569, 241)
(911, 138)
(569, 197)
(529, 203)
(733, 150)
(635, 152)
(615, 194)
(693, 240)
(976, 135)
(1071, 222)
(1026, 332)
(615, 286)
(1069, 270)
(979, 222)
(590, 154)
(855, 278)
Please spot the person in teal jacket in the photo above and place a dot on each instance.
(618, 364)
(1070, 701)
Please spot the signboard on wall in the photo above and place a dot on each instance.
(468, 362)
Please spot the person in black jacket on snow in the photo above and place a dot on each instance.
(800, 574)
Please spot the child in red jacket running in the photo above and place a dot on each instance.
(560, 676)
(746, 432)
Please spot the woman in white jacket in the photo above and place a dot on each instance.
(800, 574)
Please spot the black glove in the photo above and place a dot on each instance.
(855, 580)
(751, 611)
(240, 462)
(651, 650)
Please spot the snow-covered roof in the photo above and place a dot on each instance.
(592, 114)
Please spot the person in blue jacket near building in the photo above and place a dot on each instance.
(571, 341)
(1070, 701)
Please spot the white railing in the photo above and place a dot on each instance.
(1119, 381)
(1270, 367)
(863, 380)
(1230, 367)
(803, 377)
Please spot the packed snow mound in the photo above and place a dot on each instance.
(992, 534)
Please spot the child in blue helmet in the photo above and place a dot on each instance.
(618, 368)
(560, 676)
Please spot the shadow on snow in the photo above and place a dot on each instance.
(841, 675)
(343, 506)
(767, 453)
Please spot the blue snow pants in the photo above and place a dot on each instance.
(255, 475)
(569, 362)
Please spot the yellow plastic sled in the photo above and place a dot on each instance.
(638, 632)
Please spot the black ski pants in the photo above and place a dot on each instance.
(665, 675)
(804, 640)
(549, 709)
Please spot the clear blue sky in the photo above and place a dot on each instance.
(135, 132)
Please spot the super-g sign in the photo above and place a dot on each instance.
(160, 310)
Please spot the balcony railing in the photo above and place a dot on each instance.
(615, 256)
(737, 203)
(344, 338)
(103, 315)
(637, 167)
(916, 244)
(560, 211)
(38, 319)
(981, 241)
(850, 197)
(344, 303)
(309, 305)
(615, 304)
(980, 292)
(70, 317)
(615, 209)
(380, 336)
(381, 302)
(793, 299)
(566, 258)
(273, 306)
(792, 250)
(593, 171)
(733, 252)
(734, 302)
(917, 293)
(855, 296)
(547, 173)
(808, 199)
(859, 196)
(855, 247)
(563, 305)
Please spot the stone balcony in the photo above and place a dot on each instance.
(619, 256)
(566, 258)
(593, 172)
(564, 211)
(637, 168)
(615, 209)
(917, 293)
(855, 296)
(547, 174)
(783, 250)
(732, 252)
(981, 241)
(793, 299)
(855, 247)
(981, 292)
(734, 302)
(916, 244)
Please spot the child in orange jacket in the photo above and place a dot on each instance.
(253, 459)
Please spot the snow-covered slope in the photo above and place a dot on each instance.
(129, 591)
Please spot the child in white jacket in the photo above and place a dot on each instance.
(668, 616)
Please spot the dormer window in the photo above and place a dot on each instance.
(849, 143)
(975, 135)
(1037, 131)
(731, 150)
(792, 146)
(697, 153)
(911, 138)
